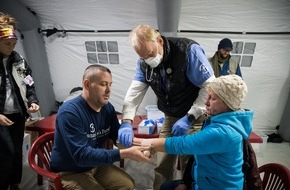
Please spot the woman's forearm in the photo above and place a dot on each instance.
(158, 144)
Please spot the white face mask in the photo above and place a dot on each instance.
(154, 61)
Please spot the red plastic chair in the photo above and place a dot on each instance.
(275, 176)
(39, 159)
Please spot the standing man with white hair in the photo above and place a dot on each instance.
(178, 72)
(218, 147)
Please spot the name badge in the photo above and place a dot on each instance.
(28, 80)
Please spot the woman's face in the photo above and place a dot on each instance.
(215, 105)
(7, 46)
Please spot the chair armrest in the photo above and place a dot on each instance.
(44, 172)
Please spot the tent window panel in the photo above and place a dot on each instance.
(92, 58)
(101, 46)
(114, 58)
(103, 52)
(112, 46)
(237, 47)
(90, 46)
(247, 61)
(103, 58)
(249, 48)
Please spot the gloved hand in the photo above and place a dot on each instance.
(125, 134)
(181, 126)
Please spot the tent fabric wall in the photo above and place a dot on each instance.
(204, 15)
(32, 48)
(234, 15)
(267, 78)
(72, 59)
(37, 58)
(20, 12)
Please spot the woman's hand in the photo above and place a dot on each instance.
(4, 121)
(33, 108)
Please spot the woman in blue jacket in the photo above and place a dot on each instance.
(217, 148)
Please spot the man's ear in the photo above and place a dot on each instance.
(160, 40)
(86, 83)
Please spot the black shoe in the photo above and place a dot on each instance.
(275, 138)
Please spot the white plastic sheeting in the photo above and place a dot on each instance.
(70, 60)
(267, 78)
(208, 15)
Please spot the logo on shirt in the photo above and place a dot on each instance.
(95, 132)
(92, 128)
(203, 68)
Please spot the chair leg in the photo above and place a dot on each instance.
(122, 163)
(39, 177)
(178, 163)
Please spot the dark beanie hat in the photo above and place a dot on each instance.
(225, 44)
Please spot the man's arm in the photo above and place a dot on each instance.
(133, 99)
(198, 107)
(200, 73)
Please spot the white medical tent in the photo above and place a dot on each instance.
(61, 38)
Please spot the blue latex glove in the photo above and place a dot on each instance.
(181, 126)
(125, 134)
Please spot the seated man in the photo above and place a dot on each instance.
(83, 125)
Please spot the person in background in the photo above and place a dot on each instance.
(17, 98)
(222, 63)
(83, 126)
(76, 91)
(178, 72)
(218, 147)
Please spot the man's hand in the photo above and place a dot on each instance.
(181, 126)
(136, 153)
(125, 134)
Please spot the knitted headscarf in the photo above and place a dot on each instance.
(231, 89)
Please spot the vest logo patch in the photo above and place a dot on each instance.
(203, 68)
